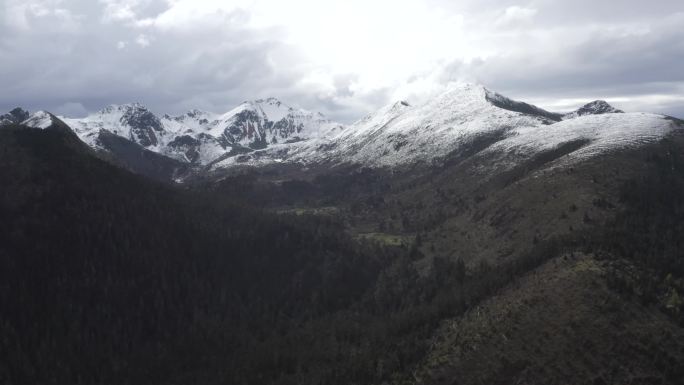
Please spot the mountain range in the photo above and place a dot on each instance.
(471, 239)
(267, 131)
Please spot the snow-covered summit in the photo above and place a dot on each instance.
(46, 121)
(131, 121)
(39, 119)
(401, 134)
(597, 107)
(259, 122)
(267, 130)
(199, 136)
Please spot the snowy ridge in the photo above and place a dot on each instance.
(200, 137)
(263, 121)
(39, 119)
(603, 133)
(596, 107)
(131, 121)
(267, 131)
(400, 134)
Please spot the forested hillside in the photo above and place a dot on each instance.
(110, 278)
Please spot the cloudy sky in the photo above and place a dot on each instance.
(343, 58)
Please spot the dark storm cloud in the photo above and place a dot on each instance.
(54, 59)
(77, 56)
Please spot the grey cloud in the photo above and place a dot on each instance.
(70, 109)
(46, 67)
(596, 64)
(72, 59)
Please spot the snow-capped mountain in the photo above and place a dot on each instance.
(200, 137)
(40, 119)
(401, 133)
(46, 121)
(597, 107)
(15, 116)
(265, 131)
(131, 121)
(258, 123)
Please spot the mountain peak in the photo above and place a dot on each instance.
(401, 104)
(464, 93)
(597, 107)
(195, 113)
(17, 115)
(135, 106)
(271, 100)
(465, 87)
(45, 120)
(39, 119)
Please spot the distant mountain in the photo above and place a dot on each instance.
(466, 117)
(117, 149)
(17, 115)
(47, 121)
(597, 107)
(472, 239)
(199, 137)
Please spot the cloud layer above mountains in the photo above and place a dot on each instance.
(341, 58)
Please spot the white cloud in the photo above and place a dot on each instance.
(119, 10)
(142, 40)
(71, 109)
(516, 15)
(23, 15)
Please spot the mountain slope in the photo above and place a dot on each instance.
(544, 329)
(601, 133)
(615, 216)
(199, 137)
(267, 131)
(401, 135)
(117, 150)
(110, 278)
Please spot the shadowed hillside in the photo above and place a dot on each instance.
(378, 277)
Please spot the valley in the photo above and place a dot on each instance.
(473, 239)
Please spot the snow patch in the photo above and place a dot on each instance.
(39, 119)
(604, 133)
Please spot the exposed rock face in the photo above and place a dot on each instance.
(15, 116)
(144, 125)
(200, 137)
(187, 145)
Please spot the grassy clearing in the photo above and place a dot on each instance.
(386, 239)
